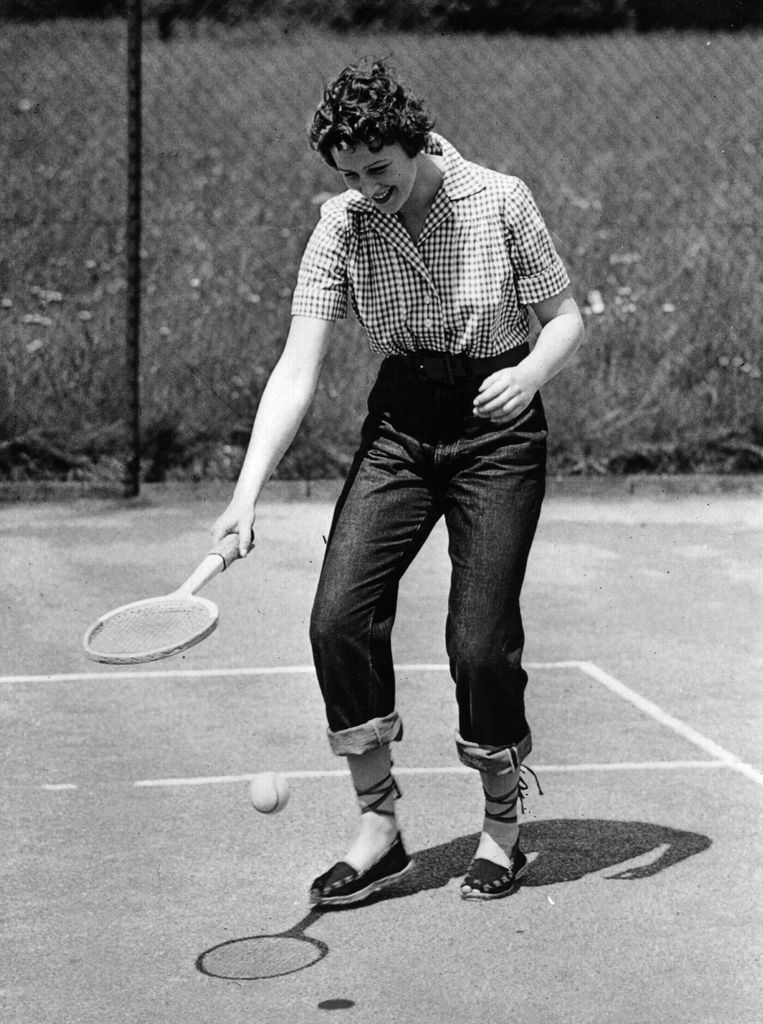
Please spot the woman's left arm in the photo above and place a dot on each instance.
(507, 392)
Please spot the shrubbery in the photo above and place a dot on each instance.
(457, 15)
(41, 10)
(714, 14)
(468, 15)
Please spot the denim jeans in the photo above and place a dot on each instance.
(424, 455)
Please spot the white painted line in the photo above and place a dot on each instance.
(56, 787)
(119, 675)
(216, 780)
(153, 674)
(656, 712)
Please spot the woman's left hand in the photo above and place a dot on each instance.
(505, 394)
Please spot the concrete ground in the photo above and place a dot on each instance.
(137, 877)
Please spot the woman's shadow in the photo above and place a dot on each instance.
(565, 850)
(561, 850)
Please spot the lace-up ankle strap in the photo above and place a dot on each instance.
(376, 796)
(522, 784)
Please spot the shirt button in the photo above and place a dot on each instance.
(427, 323)
(427, 300)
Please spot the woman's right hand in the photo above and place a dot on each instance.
(237, 518)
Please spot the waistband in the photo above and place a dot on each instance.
(447, 368)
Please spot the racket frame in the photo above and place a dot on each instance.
(154, 653)
(216, 561)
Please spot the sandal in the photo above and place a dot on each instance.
(486, 880)
(343, 885)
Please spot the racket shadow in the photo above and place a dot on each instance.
(264, 956)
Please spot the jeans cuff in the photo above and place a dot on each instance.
(368, 736)
(493, 760)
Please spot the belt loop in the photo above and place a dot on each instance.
(449, 369)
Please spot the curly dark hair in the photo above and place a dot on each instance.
(367, 105)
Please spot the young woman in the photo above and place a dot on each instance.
(442, 261)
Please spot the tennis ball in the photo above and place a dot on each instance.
(269, 792)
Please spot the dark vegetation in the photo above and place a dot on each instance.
(642, 150)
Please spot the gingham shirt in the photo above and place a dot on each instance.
(483, 255)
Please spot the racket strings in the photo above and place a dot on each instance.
(261, 956)
(159, 626)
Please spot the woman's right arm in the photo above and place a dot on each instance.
(287, 397)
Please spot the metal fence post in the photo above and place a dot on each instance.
(132, 242)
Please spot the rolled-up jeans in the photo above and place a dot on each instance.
(425, 455)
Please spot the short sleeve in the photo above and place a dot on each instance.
(539, 271)
(322, 289)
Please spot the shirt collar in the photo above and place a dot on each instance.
(462, 179)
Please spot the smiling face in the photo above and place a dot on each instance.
(386, 177)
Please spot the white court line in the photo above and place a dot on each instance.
(229, 673)
(669, 721)
(593, 671)
(216, 780)
(220, 780)
(171, 673)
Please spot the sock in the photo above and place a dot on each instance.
(372, 778)
(500, 828)
(376, 791)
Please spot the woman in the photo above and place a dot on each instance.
(442, 261)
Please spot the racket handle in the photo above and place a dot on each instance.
(217, 560)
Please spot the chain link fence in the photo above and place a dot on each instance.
(642, 150)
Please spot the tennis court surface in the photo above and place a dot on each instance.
(138, 881)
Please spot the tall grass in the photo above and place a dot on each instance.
(640, 151)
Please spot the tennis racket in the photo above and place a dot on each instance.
(158, 627)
